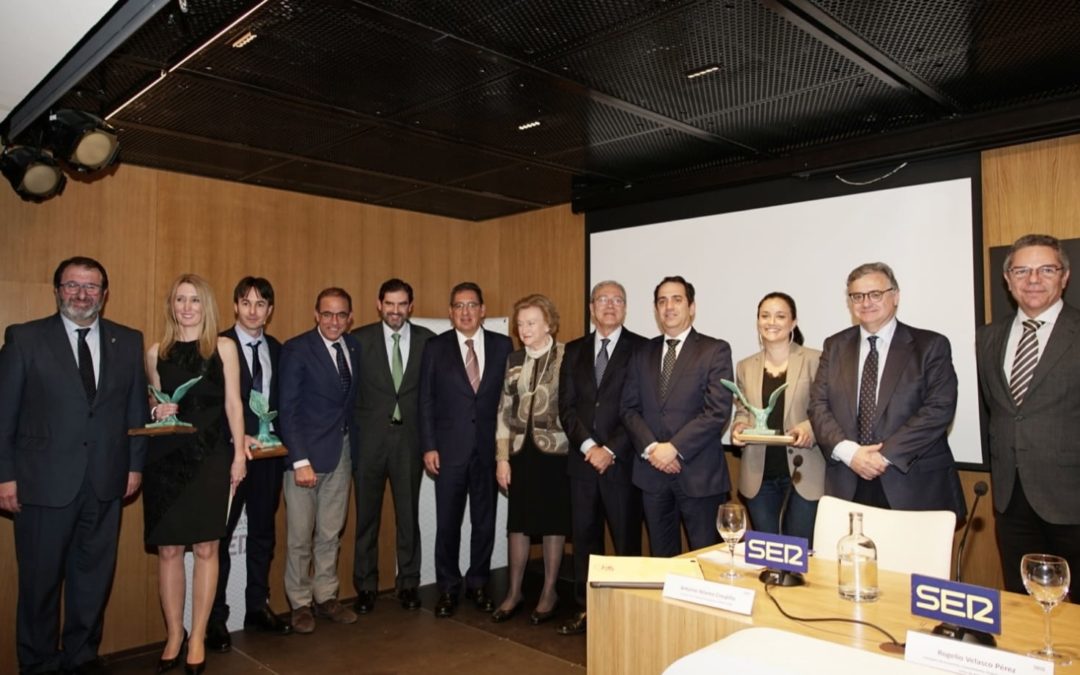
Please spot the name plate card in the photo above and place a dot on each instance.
(966, 605)
(777, 551)
(710, 594)
(968, 658)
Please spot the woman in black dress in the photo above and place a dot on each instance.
(531, 446)
(189, 478)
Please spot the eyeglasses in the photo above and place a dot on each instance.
(617, 301)
(1045, 271)
(72, 288)
(340, 316)
(874, 296)
(460, 306)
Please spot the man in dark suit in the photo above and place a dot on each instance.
(882, 402)
(676, 408)
(253, 303)
(71, 385)
(318, 426)
(1029, 366)
(461, 377)
(601, 458)
(389, 441)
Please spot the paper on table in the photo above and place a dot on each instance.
(638, 572)
(721, 557)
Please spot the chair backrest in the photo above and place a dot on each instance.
(907, 541)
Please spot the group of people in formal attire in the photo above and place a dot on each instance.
(609, 429)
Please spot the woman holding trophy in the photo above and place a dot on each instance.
(769, 466)
(191, 470)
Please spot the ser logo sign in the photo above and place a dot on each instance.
(952, 602)
(777, 551)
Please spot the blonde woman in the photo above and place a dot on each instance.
(189, 478)
(530, 454)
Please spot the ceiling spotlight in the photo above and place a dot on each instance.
(529, 125)
(84, 141)
(704, 70)
(32, 172)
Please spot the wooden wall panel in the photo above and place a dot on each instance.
(148, 226)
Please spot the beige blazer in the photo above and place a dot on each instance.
(802, 366)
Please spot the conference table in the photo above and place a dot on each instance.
(634, 630)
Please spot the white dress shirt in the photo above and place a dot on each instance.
(93, 340)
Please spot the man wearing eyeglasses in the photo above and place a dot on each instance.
(318, 426)
(71, 385)
(461, 377)
(882, 402)
(1029, 369)
(601, 460)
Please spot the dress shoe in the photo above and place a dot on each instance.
(217, 637)
(194, 668)
(265, 621)
(365, 602)
(572, 626)
(538, 617)
(165, 665)
(303, 621)
(500, 615)
(444, 608)
(335, 611)
(480, 598)
(410, 598)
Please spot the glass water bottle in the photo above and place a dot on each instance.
(856, 558)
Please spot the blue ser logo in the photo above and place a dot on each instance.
(964, 605)
(777, 551)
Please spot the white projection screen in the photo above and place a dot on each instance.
(926, 232)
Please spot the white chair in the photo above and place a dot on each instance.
(913, 542)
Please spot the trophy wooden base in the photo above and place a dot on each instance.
(161, 431)
(764, 439)
(268, 453)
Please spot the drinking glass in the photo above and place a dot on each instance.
(1046, 578)
(731, 524)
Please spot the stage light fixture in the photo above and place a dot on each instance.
(33, 173)
(83, 141)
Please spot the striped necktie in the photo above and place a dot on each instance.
(1027, 357)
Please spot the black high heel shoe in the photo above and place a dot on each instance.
(538, 617)
(501, 615)
(195, 668)
(165, 665)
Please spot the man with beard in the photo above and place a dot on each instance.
(71, 385)
(386, 415)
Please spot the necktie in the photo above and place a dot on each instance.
(86, 366)
(343, 368)
(397, 372)
(1027, 357)
(868, 394)
(256, 367)
(601, 360)
(472, 366)
(668, 368)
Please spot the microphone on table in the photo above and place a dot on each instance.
(783, 577)
(952, 630)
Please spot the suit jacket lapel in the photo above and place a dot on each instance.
(492, 370)
(795, 364)
(1061, 340)
(412, 367)
(900, 352)
(379, 349)
(999, 339)
(849, 374)
(107, 354)
(60, 345)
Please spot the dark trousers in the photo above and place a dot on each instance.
(665, 509)
(475, 480)
(764, 509)
(392, 460)
(260, 492)
(73, 549)
(1020, 530)
(592, 499)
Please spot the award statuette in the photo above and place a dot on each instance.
(760, 434)
(171, 424)
(269, 444)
